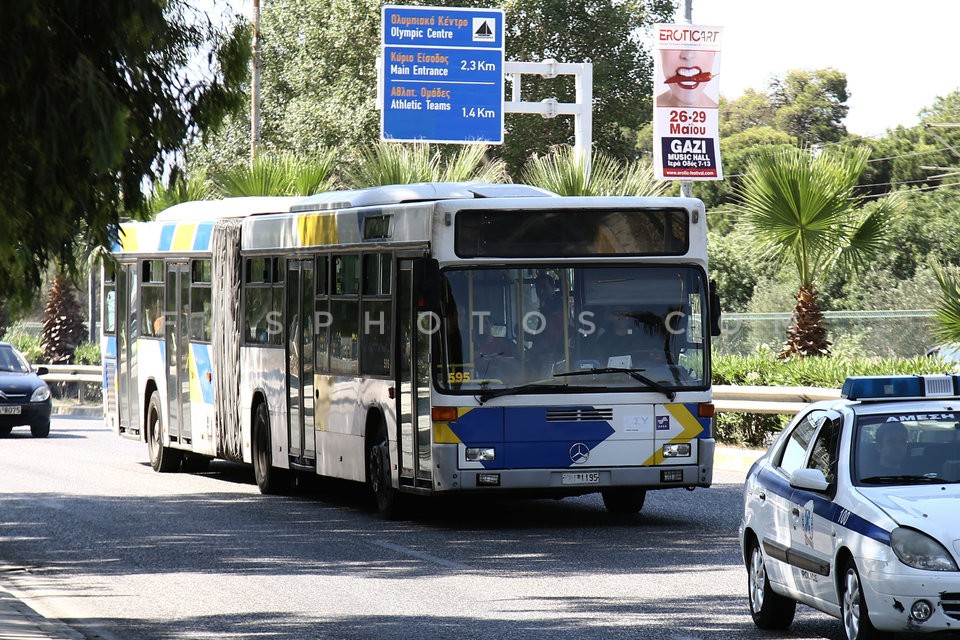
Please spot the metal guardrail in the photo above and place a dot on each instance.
(72, 372)
(774, 400)
(78, 373)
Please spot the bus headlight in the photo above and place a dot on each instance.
(480, 454)
(679, 450)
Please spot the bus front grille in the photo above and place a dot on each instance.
(577, 414)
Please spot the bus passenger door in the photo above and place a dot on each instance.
(126, 352)
(300, 355)
(413, 399)
(177, 339)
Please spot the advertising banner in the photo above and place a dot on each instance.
(686, 118)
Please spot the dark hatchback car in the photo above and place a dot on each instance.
(24, 397)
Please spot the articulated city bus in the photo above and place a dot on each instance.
(426, 339)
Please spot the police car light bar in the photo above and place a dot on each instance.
(901, 387)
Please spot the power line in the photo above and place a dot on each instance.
(927, 188)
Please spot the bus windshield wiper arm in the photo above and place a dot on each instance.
(524, 388)
(633, 373)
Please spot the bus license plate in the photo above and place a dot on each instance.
(10, 411)
(590, 477)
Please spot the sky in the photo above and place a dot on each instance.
(898, 57)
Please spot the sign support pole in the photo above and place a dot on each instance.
(581, 110)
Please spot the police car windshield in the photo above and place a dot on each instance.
(908, 448)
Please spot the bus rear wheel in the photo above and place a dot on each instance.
(624, 501)
(270, 479)
(162, 459)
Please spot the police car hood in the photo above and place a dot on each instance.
(930, 508)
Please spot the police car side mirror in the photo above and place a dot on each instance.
(809, 479)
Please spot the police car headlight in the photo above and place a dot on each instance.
(920, 551)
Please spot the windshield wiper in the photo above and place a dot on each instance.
(524, 388)
(929, 477)
(633, 373)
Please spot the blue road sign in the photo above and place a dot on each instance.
(442, 75)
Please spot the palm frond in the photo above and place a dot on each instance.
(946, 328)
(392, 163)
(197, 186)
(868, 233)
(561, 171)
(470, 163)
(638, 180)
(797, 205)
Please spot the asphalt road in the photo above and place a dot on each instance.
(93, 536)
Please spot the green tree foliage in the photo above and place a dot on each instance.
(752, 109)
(807, 105)
(928, 228)
(811, 105)
(607, 33)
(801, 210)
(319, 75)
(94, 100)
(736, 267)
(897, 160)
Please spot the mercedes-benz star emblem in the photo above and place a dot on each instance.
(579, 453)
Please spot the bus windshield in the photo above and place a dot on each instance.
(563, 329)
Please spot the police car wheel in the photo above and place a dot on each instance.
(769, 609)
(853, 607)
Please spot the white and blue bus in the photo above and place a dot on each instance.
(442, 338)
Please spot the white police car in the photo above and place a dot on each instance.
(855, 510)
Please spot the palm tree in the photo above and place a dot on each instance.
(398, 163)
(800, 207)
(564, 172)
(283, 174)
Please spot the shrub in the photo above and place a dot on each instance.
(25, 342)
(87, 353)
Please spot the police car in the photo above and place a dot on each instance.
(855, 510)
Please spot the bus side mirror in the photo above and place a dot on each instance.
(714, 309)
(426, 284)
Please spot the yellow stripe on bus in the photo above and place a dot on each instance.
(183, 236)
(691, 429)
(128, 237)
(317, 229)
(443, 434)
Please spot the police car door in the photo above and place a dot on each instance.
(812, 513)
(774, 514)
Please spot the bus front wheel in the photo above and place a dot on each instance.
(378, 475)
(623, 501)
(162, 459)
